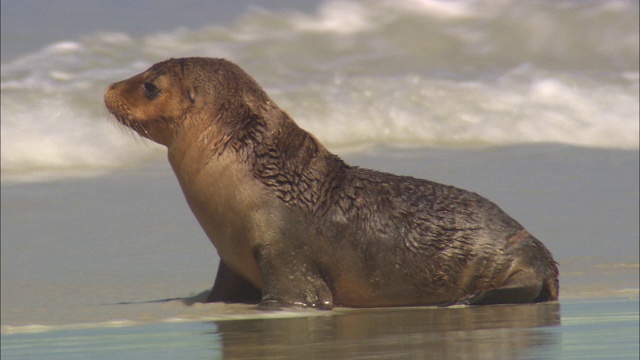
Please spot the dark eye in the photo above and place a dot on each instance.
(150, 91)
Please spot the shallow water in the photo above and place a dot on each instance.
(573, 330)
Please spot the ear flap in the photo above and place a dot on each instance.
(192, 93)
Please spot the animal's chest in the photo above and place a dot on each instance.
(228, 205)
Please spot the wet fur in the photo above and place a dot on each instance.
(333, 234)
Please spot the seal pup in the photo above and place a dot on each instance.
(294, 225)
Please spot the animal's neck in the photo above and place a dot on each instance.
(299, 170)
(294, 164)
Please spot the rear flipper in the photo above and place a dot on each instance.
(533, 275)
(522, 287)
(506, 295)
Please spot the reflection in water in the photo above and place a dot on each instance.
(483, 332)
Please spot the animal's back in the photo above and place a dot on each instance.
(437, 244)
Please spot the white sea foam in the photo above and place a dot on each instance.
(356, 73)
(446, 9)
(339, 17)
(55, 134)
(36, 328)
(195, 313)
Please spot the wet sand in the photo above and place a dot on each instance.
(578, 330)
(83, 257)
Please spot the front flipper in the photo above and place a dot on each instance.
(231, 288)
(291, 282)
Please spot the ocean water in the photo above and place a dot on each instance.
(354, 73)
(533, 104)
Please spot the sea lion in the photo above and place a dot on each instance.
(294, 225)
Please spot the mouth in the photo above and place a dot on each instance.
(123, 115)
(129, 122)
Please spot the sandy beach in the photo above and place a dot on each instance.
(118, 245)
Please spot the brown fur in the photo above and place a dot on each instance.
(295, 225)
